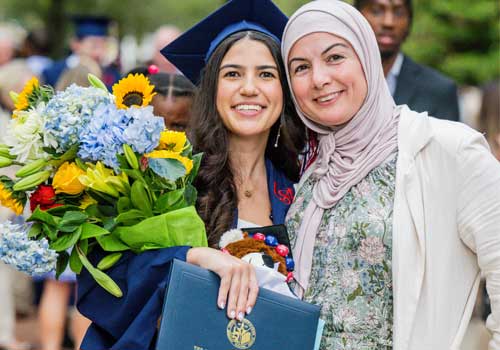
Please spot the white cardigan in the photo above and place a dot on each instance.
(446, 232)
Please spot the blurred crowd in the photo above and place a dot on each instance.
(25, 53)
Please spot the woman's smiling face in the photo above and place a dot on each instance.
(249, 93)
(327, 78)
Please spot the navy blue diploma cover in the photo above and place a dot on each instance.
(191, 319)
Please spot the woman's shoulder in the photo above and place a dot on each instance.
(417, 130)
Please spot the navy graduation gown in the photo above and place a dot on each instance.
(129, 323)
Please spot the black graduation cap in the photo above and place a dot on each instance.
(87, 25)
(190, 52)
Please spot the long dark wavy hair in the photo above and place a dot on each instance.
(217, 197)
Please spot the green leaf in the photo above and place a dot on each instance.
(167, 200)
(91, 230)
(130, 217)
(74, 261)
(133, 173)
(169, 168)
(59, 211)
(93, 211)
(35, 230)
(62, 263)
(100, 277)
(66, 241)
(49, 231)
(190, 194)
(44, 216)
(109, 261)
(123, 204)
(107, 210)
(110, 243)
(71, 220)
(196, 166)
(355, 294)
(109, 223)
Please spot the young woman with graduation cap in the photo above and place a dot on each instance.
(242, 124)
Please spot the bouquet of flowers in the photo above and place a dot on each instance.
(99, 170)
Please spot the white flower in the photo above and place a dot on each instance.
(230, 237)
(350, 280)
(341, 231)
(372, 250)
(24, 135)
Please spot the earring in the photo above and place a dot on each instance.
(282, 118)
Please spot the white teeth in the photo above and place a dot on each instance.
(248, 107)
(328, 97)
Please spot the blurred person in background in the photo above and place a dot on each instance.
(35, 49)
(162, 37)
(90, 40)
(57, 294)
(489, 116)
(13, 76)
(420, 87)
(174, 96)
(173, 99)
(7, 47)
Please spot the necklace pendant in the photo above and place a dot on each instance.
(248, 193)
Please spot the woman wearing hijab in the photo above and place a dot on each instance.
(398, 217)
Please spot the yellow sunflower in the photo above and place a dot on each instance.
(23, 99)
(8, 201)
(188, 163)
(134, 90)
(172, 140)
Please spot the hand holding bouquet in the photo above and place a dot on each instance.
(99, 170)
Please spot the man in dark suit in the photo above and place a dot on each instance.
(420, 87)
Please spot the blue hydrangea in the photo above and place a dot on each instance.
(24, 254)
(68, 112)
(143, 133)
(103, 137)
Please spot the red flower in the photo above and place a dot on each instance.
(45, 197)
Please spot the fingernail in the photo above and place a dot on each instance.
(222, 305)
(249, 309)
(240, 316)
(232, 314)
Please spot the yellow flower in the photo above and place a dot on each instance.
(8, 201)
(86, 202)
(135, 89)
(188, 163)
(172, 140)
(102, 179)
(23, 99)
(66, 179)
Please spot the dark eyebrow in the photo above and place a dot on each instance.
(266, 67)
(332, 46)
(237, 66)
(231, 66)
(324, 51)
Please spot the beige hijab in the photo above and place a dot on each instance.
(346, 154)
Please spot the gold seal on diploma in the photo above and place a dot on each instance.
(242, 334)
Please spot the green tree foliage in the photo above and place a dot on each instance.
(457, 37)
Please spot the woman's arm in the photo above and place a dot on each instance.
(479, 218)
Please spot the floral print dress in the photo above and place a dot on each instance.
(351, 275)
